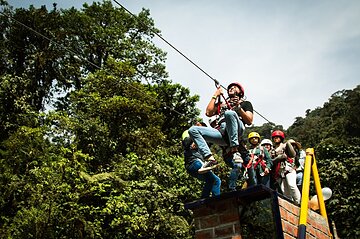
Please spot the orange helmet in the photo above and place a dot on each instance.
(278, 133)
(238, 85)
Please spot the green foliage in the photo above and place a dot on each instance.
(177, 107)
(47, 193)
(15, 105)
(339, 170)
(59, 47)
(30, 55)
(38, 180)
(104, 162)
(113, 115)
(337, 122)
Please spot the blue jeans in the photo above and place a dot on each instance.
(236, 171)
(201, 135)
(299, 179)
(212, 182)
(232, 125)
(264, 180)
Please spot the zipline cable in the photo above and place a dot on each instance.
(171, 45)
(82, 58)
(50, 40)
(182, 54)
(98, 67)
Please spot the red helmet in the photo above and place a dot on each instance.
(278, 133)
(238, 85)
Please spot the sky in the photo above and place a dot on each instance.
(289, 56)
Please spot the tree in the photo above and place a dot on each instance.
(53, 50)
(178, 107)
(15, 107)
(98, 169)
(339, 170)
(332, 130)
(334, 123)
(101, 163)
(30, 55)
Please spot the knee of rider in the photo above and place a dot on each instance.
(192, 130)
(230, 113)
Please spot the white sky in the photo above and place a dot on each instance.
(290, 56)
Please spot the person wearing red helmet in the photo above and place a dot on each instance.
(284, 170)
(233, 114)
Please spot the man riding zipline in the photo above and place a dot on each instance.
(233, 114)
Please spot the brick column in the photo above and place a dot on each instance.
(256, 211)
(218, 220)
(316, 227)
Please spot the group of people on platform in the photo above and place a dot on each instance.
(275, 163)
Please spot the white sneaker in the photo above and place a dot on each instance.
(210, 164)
(237, 158)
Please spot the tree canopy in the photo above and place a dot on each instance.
(90, 127)
(337, 122)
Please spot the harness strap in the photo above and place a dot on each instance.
(260, 159)
(227, 103)
(249, 164)
(277, 170)
(219, 104)
(261, 162)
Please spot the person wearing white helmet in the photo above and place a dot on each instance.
(233, 114)
(266, 143)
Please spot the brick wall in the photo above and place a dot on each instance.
(224, 217)
(316, 227)
(218, 220)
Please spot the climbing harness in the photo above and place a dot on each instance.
(259, 160)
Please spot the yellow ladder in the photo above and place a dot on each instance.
(310, 165)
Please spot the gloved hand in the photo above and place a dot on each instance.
(279, 158)
(234, 101)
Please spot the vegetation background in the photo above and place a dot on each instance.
(90, 127)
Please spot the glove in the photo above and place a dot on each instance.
(234, 101)
(280, 158)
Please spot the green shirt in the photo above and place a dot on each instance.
(260, 156)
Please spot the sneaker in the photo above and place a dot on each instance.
(207, 166)
(237, 158)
